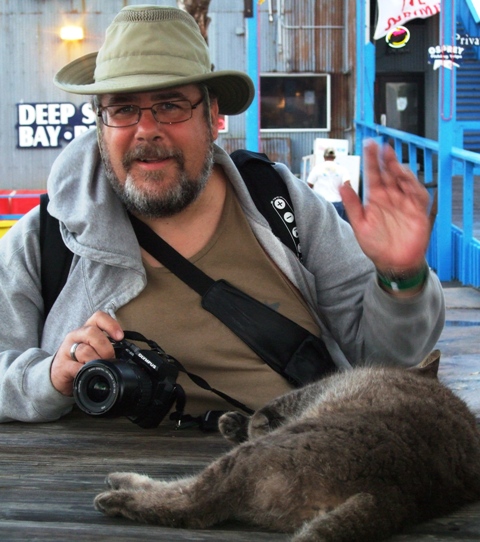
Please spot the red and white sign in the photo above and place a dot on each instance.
(393, 13)
(222, 124)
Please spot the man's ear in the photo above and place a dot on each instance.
(214, 115)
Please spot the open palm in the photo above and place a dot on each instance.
(392, 228)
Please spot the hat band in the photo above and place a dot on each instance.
(151, 65)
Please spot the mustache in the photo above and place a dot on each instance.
(150, 152)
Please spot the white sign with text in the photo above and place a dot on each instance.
(44, 125)
(392, 13)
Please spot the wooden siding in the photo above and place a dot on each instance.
(33, 53)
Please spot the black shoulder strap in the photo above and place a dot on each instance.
(281, 343)
(266, 188)
(55, 256)
(270, 194)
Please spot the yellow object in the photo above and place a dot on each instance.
(5, 225)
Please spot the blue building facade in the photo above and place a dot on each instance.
(424, 99)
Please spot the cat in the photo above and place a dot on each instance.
(356, 456)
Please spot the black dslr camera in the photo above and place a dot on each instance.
(139, 384)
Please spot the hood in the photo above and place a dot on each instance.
(82, 199)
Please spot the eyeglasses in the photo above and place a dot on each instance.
(171, 112)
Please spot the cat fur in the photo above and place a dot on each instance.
(357, 456)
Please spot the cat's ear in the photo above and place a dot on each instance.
(429, 365)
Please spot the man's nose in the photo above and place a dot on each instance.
(147, 126)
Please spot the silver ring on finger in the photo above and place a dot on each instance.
(73, 349)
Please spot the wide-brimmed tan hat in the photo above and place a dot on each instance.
(154, 47)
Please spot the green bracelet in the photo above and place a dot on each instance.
(400, 283)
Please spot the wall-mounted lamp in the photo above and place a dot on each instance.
(71, 33)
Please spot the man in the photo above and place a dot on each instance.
(326, 179)
(158, 104)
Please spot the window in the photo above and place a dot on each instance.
(295, 102)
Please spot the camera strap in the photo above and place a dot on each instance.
(198, 380)
(289, 349)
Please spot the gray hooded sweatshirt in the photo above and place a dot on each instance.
(360, 322)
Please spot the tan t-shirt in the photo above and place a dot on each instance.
(169, 312)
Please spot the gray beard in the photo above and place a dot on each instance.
(150, 204)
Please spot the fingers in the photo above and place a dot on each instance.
(84, 344)
(85, 352)
(352, 203)
(107, 324)
(92, 339)
(371, 163)
(384, 171)
(392, 227)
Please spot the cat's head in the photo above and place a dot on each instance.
(429, 365)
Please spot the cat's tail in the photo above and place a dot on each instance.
(362, 517)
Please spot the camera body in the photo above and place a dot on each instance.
(139, 384)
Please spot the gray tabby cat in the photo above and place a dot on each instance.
(356, 456)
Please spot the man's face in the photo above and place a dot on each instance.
(157, 170)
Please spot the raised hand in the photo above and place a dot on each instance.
(392, 228)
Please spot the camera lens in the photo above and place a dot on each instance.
(112, 388)
(98, 389)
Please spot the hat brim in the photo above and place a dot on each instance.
(234, 90)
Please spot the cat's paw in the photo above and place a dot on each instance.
(264, 421)
(233, 426)
(166, 505)
(128, 480)
(116, 503)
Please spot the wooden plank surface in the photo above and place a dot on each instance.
(50, 473)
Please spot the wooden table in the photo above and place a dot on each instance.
(50, 473)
